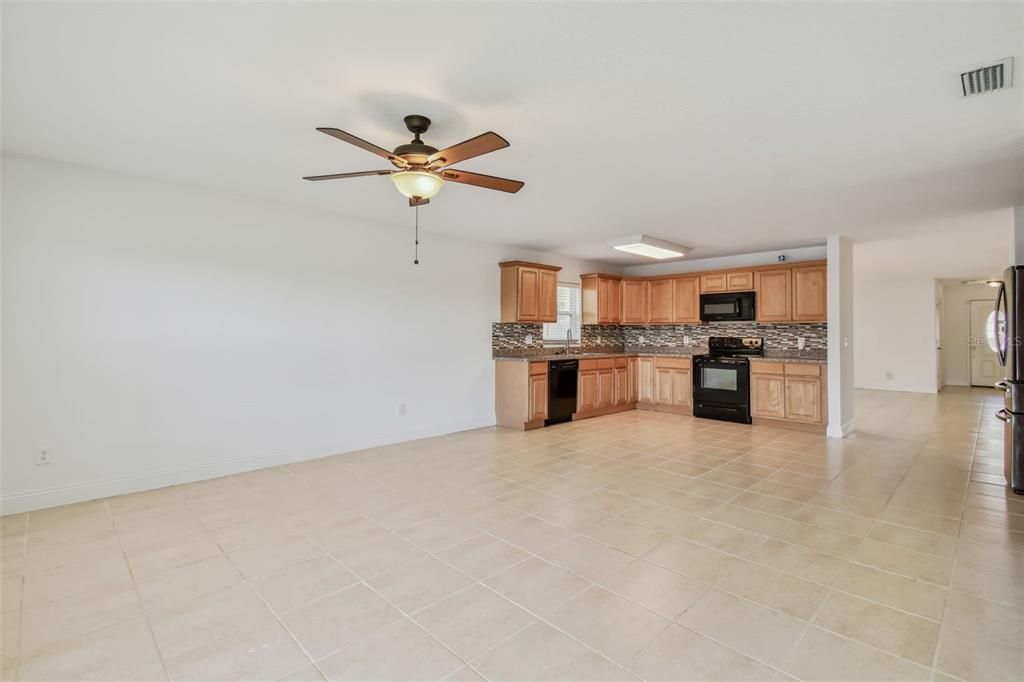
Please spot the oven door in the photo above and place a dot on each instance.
(722, 380)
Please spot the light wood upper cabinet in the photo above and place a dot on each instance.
(529, 292)
(548, 297)
(739, 281)
(660, 301)
(810, 297)
(686, 300)
(634, 301)
(600, 299)
(788, 293)
(712, 282)
(773, 295)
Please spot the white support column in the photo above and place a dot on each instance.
(840, 337)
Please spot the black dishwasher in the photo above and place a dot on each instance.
(561, 390)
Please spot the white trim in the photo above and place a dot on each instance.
(44, 498)
(841, 430)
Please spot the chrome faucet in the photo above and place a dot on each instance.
(568, 339)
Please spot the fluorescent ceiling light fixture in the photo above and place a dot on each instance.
(417, 184)
(649, 247)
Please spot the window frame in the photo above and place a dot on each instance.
(576, 317)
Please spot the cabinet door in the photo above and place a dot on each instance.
(547, 296)
(740, 281)
(528, 294)
(631, 380)
(606, 388)
(712, 283)
(538, 397)
(603, 301)
(587, 393)
(663, 385)
(660, 301)
(634, 302)
(615, 301)
(810, 299)
(681, 387)
(803, 399)
(773, 295)
(645, 380)
(686, 300)
(767, 397)
(621, 386)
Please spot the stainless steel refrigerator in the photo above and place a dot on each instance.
(1009, 336)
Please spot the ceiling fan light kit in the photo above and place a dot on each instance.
(649, 247)
(417, 184)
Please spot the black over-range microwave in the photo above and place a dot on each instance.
(736, 306)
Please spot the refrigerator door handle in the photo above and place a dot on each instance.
(1003, 416)
(1002, 341)
(1002, 385)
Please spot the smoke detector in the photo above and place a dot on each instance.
(991, 78)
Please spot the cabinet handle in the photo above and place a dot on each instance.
(1003, 416)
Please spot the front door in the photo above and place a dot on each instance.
(985, 369)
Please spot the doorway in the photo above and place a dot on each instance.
(985, 368)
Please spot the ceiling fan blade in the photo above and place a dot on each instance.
(475, 146)
(480, 180)
(339, 176)
(418, 202)
(361, 143)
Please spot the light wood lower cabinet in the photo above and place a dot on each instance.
(521, 394)
(538, 408)
(645, 380)
(803, 399)
(768, 396)
(604, 386)
(788, 392)
(665, 384)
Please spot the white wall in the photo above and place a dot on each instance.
(894, 322)
(155, 333)
(956, 358)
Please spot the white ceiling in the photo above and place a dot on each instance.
(729, 128)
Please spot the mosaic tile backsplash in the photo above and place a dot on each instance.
(776, 336)
(508, 336)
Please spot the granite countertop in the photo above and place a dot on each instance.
(545, 354)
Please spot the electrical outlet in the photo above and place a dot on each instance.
(401, 409)
(686, 340)
(800, 342)
(640, 340)
(42, 457)
(888, 375)
(529, 339)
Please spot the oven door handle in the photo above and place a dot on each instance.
(1003, 416)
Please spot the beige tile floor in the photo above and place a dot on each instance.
(638, 545)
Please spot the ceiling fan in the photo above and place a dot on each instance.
(421, 170)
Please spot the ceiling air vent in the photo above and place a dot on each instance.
(998, 76)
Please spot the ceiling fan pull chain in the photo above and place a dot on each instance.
(416, 257)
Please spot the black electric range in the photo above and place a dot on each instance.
(721, 378)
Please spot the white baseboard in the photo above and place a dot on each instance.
(841, 430)
(44, 498)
